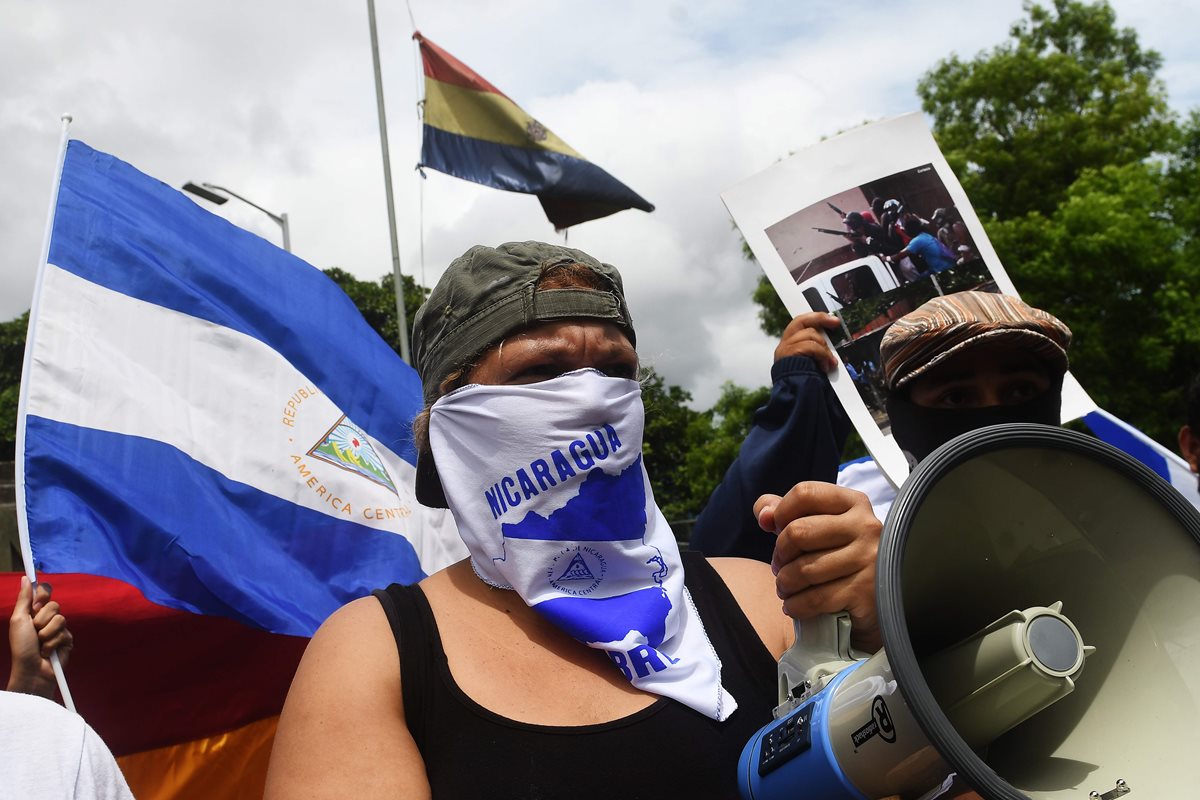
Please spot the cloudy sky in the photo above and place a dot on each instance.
(680, 100)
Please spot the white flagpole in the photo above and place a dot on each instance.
(19, 467)
(401, 315)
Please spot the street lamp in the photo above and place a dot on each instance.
(209, 192)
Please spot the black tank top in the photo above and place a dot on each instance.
(665, 750)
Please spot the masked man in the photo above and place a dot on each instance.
(959, 362)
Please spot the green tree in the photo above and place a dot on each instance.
(665, 442)
(12, 356)
(376, 300)
(773, 315)
(715, 437)
(1087, 188)
(688, 451)
(1090, 193)
(1070, 91)
(1113, 263)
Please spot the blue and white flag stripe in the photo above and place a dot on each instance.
(864, 475)
(124, 230)
(210, 418)
(1123, 436)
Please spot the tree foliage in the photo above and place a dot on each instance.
(688, 451)
(1069, 91)
(773, 315)
(1090, 191)
(1087, 188)
(376, 300)
(1112, 263)
(12, 356)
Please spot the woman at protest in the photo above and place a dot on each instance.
(576, 652)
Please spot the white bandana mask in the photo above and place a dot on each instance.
(547, 486)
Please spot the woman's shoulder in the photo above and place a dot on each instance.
(752, 584)
(344, 717)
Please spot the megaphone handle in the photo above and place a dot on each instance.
(825, 636)
(820, 641)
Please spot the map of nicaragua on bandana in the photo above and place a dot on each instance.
(551, 496)
(209, 418)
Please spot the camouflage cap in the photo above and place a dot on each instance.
(947, 325)
(487, 293)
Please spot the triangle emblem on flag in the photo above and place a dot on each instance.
(577, 570)
(346, 446)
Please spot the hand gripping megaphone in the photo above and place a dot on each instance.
(1039, 600)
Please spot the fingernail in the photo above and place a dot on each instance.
(774, 568)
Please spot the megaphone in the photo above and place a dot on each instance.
(1039, 601)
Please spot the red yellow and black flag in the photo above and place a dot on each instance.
(475, 132)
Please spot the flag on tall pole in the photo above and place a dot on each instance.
(208, 422)
(473, 131)
(209, 418)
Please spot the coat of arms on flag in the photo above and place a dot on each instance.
(346, 446)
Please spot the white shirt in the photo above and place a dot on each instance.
(865, 476)
(49, 752)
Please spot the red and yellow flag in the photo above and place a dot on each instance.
(475, 132)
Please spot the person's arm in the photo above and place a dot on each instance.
(342, 732)
(35, 630)
(798, 435)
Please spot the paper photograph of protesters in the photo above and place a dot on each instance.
(872, 254)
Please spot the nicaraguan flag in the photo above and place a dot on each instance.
(1123, 436)
(209, 418)
(474, 132)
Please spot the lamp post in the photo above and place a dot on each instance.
(209, 192)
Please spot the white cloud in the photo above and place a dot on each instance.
(680, 100)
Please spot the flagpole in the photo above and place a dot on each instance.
(401, 315)
(22, 399)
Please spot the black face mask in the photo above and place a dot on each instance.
(919, 430)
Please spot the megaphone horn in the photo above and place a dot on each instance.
(1039, 599)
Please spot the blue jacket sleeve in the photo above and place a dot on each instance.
(797, 436)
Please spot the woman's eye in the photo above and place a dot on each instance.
(535, 373)
(628, 371)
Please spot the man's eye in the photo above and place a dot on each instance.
(954, 398)
(1021, 392)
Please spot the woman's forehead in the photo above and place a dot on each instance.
(571, 332)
